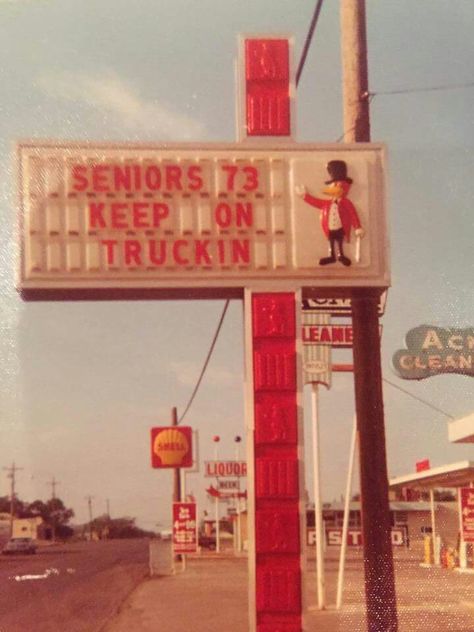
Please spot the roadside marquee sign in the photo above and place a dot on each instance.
(191, 218)
(435, 350)
(269, 221)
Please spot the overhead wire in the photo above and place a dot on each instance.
(309, 37)
(206, 362)
(448, 86)
(419, 399)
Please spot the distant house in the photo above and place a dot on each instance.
(27, 528)
(22, 527)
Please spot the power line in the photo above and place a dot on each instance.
(448, 86)
(371, 95)
(439, 410)
(309, 37)
(211, 349)
(203, 370)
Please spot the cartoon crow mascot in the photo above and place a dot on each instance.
(338, 214)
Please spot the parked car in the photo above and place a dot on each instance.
(14, 546)
(207, 542)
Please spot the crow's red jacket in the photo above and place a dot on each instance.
(347, 213)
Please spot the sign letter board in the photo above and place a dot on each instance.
(126, 221)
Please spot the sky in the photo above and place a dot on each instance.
(81, 384)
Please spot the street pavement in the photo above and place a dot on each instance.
(73, 587)
(211, 596)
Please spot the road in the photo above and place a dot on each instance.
(74, 587)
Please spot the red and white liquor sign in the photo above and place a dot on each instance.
(225, 469)
(185, 528)
(467, 513)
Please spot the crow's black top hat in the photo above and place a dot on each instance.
(337, 170)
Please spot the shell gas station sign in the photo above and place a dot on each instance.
(208, 219)
(172, 446)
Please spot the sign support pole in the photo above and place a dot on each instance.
(183, 498)
(345, 524)
(436, 560)
(217, 517)
(275, 463)
(176, 470)
(462, 543)
(318, 513)
(237, 505)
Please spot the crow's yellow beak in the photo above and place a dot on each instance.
(335, 190)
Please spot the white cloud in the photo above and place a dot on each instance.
(113, 96)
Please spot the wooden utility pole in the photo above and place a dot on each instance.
(11, 475)
(176, 470)
(53, 482)
(376, 527)
(89, 504)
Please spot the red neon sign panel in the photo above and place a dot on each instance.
(267, 87)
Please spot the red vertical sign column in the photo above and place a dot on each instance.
(278, 586)
(267, 87)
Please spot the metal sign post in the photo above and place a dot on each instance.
(317, 370)
(345, 524)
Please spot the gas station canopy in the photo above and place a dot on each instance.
(462, 430)
(460, 474)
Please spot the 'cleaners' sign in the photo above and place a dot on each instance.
(171, 218)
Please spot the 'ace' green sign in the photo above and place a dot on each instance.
(435, 350)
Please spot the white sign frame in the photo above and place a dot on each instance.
(55, 237)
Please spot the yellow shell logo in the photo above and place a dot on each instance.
(170, 446)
